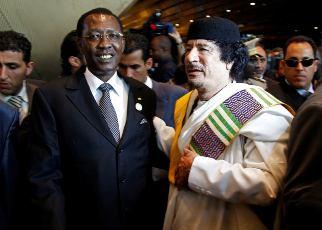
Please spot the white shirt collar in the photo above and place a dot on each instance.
(148, 82)
(302, 91)
(94, 82)
(22, 93)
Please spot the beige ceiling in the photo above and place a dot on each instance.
(46, 22)
(274, 20)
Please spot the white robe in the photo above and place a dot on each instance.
(250, 172)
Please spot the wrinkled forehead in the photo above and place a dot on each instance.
(101, 22)
(11, 56)
(201, 42)
(260, 51)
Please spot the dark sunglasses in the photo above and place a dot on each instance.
(294, 62)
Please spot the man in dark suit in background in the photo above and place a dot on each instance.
(135, 63)
(88, 171)
(298, 67)
(301, 198)
(165, 65)
(71, 59)
(15, 67)
(8, 175)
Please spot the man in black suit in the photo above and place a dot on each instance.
(298, 67)
(301, 198)
(135, 63)
(16, 65)
(85, 172)
(8, 181)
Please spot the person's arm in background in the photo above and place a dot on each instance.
(180, 46)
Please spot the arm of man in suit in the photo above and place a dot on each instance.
(302, 192)
(8, 164)
(45, 177)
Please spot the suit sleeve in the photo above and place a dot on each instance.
(8, 167)
(45, 177)
(302, 195)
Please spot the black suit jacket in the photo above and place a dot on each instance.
(301, 199)
(31, 86)
(80, 178)
(9, 121)
(286, 93)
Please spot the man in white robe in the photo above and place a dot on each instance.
(228, 151)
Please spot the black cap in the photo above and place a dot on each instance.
(215, 29)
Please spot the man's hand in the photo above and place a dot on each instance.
(176, 36)
(183, 168)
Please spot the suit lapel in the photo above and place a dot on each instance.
(30, 88)
(134, 114)
(79, 93)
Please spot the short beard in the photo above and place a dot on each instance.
(196, 84)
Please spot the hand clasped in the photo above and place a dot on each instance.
(183, 168)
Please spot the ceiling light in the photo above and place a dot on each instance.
(207, 16)
(177, 24)
(316, 28)
(190, 20)
(228, 11)
(252, 3)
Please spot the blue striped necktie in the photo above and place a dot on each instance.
(108, 110)
(16, 101)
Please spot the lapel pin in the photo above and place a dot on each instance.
(138, 106)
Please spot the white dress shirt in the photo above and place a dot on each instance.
(148, 82)
(119, 95)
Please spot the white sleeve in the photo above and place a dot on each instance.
(164, 135)
(253, 165)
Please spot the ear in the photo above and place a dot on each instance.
(30, 67)
(316, 63)
(148, 63)
(229, 65)
(75, 61)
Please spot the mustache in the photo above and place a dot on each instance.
(194, 67)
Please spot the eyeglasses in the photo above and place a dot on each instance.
(111, 35)
(304, 62)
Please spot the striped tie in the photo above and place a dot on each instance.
(16, 101)
(108, 110)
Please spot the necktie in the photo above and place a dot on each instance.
(16, 101)
(108, 110)
(304, 93)
(307, 94)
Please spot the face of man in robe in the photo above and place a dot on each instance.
(205, 70)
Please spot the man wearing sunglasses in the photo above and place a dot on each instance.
(298, 67)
